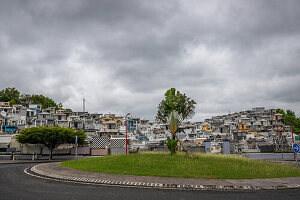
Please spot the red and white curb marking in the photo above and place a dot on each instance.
(49, 176)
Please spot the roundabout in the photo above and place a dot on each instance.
(15, 184)
(57, 172)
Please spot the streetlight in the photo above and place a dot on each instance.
(126, 129)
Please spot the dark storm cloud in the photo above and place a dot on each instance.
(123, 55)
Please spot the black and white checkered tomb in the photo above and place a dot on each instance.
(102, 142)
(117, 142)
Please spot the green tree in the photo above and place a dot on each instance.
(289, 117)
(175, 101)
(290, 113)
(11, 95)
(44, 101)
(175, 108)
(59, 106)
(25, 99)
(51, 137)
(280, 111)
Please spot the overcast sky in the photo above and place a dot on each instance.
(121, 55)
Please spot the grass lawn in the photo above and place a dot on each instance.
(180, 165)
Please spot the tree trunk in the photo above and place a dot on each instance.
(181, 143)
(50, 157)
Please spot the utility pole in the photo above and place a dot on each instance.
(126, 130)
(76, 144)
(83, 105)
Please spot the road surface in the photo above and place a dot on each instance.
(15, 184)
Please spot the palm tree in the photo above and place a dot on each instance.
(174, 123)
(173, 126)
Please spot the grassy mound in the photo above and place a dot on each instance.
(183, 166)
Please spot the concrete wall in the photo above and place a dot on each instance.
(40, 149)
(117, 150)
(162, 148)
(63, 124)
(196, 149)
(46, 151)
(14, 143)
(226, 147)
(5, 139)
(31, 148)
(81, 150)
(99, 152)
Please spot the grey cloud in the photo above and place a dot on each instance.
(122, 55)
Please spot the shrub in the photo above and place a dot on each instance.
(172, 145)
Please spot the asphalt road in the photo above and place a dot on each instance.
(15, 184)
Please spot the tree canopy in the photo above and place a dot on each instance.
(175, 101)
(9, 95)
(44, 101)
(289, 116)
(13, 96)
(51, 137)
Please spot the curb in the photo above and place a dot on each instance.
(27, 162)
(50, 176)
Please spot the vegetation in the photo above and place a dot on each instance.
(13, 96)
(289, 116)
(183, 166)
(175, 108)
(175, 101)
(172, 145)
(173, 123)
(173, 126)
(51, 137)
(9, 95)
